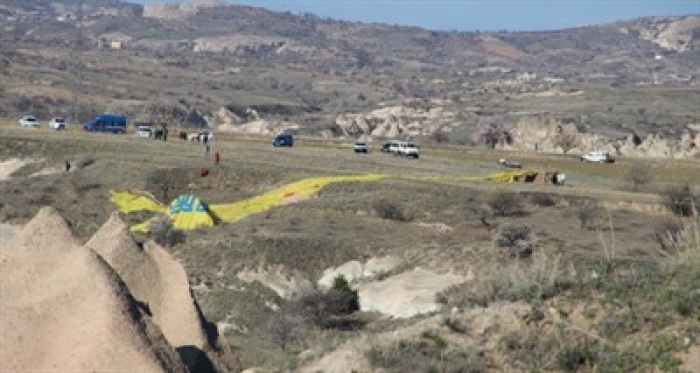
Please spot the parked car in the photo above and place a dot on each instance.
(57, 123)
(206, 135)
(284, 139)
(387, 147)
(598, 157)
(29, 121)
(361, 147)
(107, 123)
(408, 149)
(144, 131)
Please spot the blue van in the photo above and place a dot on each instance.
(284, 139)
(107, 123)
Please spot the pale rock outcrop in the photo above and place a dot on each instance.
(65, 309)
(181, 10)
(409, 119)
(407, 294)
(354, 271)
(539, 133)
(351, 271)
(156, 280)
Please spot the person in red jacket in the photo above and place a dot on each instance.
(217, 157)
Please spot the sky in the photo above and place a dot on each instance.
(484, 15)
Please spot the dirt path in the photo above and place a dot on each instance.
(8, 167)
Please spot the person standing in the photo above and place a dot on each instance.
(206, 150)
(217, 157)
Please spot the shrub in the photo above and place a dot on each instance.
(573, 358)
(506, 204)
(390, 210)
(165, 234)
(83, 160)
(680, 200)
(667, 234)
(440, 137)
(285, 330)
(319, 306)
(543, 199)
(516, 237)
(639, 174)
(537, 280)
(587, 212)
(429, 354)
(484, 213)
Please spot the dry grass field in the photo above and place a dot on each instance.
(595, 246)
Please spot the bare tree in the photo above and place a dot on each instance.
(567, 140)
(491, 131)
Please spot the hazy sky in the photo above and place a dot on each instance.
(481, 14)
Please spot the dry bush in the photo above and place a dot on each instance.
(532, 348)
(440, 137)
(680, 200)
(515, 237)
(165, 234)
(285, 330)
(83, 160)
(390, 210)
(428, 354)
(506, 204)
(320, 307)
(587, 212)
(484, 213)
(667, 234)
(543, 199)
(639, 174)
(537, 280)
(683, 255)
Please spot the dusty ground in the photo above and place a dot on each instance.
(439, 230)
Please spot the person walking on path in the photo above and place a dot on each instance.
(217, 157)
(207, 148)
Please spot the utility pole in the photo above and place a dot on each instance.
(75, 62)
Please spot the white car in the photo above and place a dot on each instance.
(408, 149)
(144, 131)
(361, 147)
(29, 121)
(57, 123)
(598, 157)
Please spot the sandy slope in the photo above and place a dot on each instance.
(63, 308)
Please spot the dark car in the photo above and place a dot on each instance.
(284, 139)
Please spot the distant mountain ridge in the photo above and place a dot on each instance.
(213, 26)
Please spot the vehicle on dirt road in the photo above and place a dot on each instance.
(284, 139)
(597, 157)
(361, 147)
(107, 123)
(408, 149)
(387, 147)
(29, 121)
(144, 131)
(57, 123)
